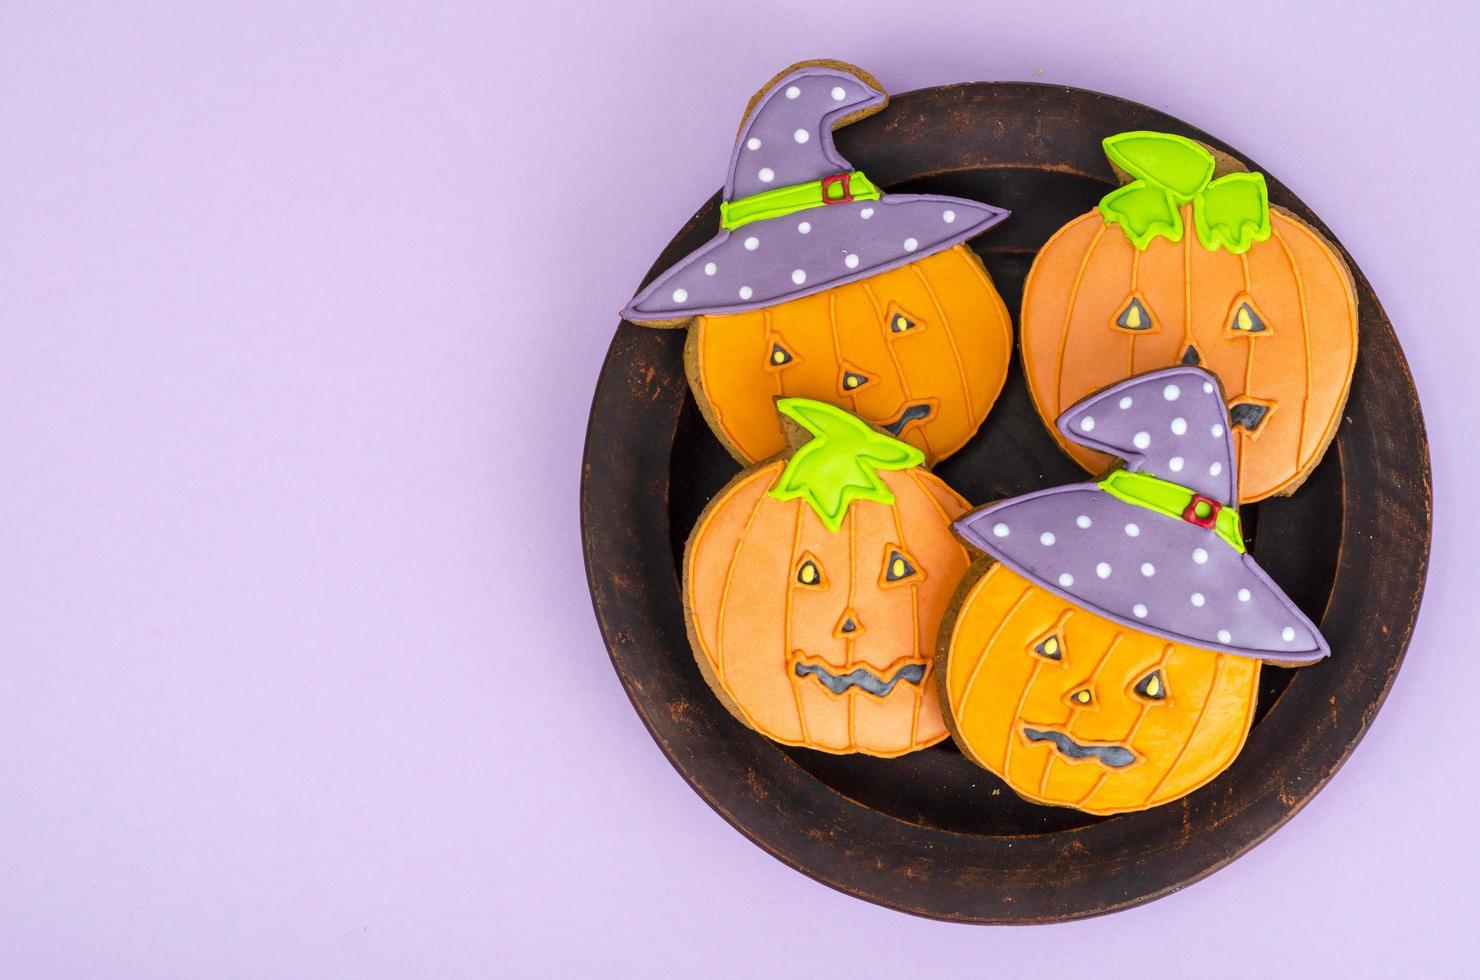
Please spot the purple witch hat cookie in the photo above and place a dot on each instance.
(796, 217)
(820, 285)
(1155, 546)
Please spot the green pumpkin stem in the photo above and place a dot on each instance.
(840, 463)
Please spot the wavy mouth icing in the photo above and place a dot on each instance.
(1114, 756)
(913, 413)
(866, 680)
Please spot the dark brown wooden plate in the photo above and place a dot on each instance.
(931, 833)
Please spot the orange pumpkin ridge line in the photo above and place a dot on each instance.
(915, 624)
(1038, 663)
(1249, 359)
(766, 326)
(904, 381)
(1192, 732)
(914, 475)
(724, 595)
(1166, 654)
(796, 687)
(1130, 358)
(976, 668)
(1058, 385)
(951, 338)
(1189, 336)
(1305, 335)
(1075, 712)
(837, 345)
(851, 518)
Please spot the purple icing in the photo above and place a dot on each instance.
(1143, 569)
(787, 137)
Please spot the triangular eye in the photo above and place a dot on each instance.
(779, 356)
(1049, 648)
(853, 380)
(1152, 687)
(899, 321)
(1134, 316)
(1250, 415)
(809, 573)
(1190, 356)
(1244, 318)
(897, 567)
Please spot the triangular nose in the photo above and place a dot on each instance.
(849, 626)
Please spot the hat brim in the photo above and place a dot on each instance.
(1146, 571)
(767, 262)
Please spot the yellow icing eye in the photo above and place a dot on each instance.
(780, 355)
(897, 567)
(1152, 687)
(1134, 316)
(900, 323)
(1246, 320)
(1080, 696)
(808, 573)
(852, 380)
(1050, 649)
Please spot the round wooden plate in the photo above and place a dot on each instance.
(931, 833)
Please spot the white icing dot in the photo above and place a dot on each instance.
(1200, 556)
(1244, 595)
(1218, 431)
(1198, 599)
(801, 136)
(838, 94)
(948, 216)
(752, 243)
(792, 92)
(1148, 569)
(766, 175)
(1047, 538)
(866, 213)
(1000, 529)
(1175, 464)
(1083, 521)
(1141, 440)
(1207, 387)
(710, 268)
(753, 143)
(1215, 469)
(1139, 610)
(798, 276)
(1126, 402)
(1224, 636)
(1179, 426)
(1287, 634)
(1087, 424)
(1132, 531)
(745, 292)
(1066, 580)
(1103, 569)
(851, 260)
(1171, 393)
(805, 227)
(910, 244)
(679, 295)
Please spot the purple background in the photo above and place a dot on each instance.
(300, 313)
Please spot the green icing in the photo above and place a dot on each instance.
(1231, 212)
(840, 463)
(781, 201)
(1171, 500)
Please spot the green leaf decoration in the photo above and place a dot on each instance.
(1174, 163)
(841, 462)
(1232, 212)
(1144, 211)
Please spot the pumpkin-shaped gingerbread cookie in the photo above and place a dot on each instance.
(820, 285)
(814, 586)
(1106, 648)
(1183, 265)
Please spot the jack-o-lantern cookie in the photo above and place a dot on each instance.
(820, 285)
(1105, 652)
(1188, 263)
(814, 586)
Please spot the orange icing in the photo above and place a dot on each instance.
(755, 616)
(999, 685)
(1298, 368)
(953, 358)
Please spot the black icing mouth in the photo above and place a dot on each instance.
(862, 677)
(1114, 756)
(918, 412)
(1250, 415)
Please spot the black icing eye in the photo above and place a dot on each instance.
(1250, 415)
(1191, 357)
(901, 322)
(809, 572)
(1134, 316)
(1246, 320)
(1152, 687)
(897, 567)
(779, 356)
(852, 380)
(1049, 648)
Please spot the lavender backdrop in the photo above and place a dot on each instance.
(300, 310)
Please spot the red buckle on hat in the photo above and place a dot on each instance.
(834, 179)
(1210, 519)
